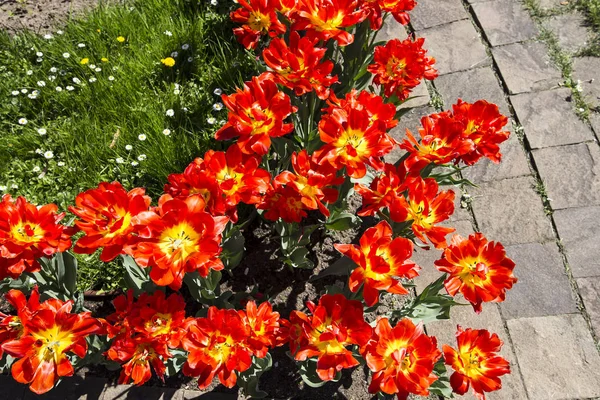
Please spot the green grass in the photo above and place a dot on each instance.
(591, 11)
(90, 128)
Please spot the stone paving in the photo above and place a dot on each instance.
(542, 202)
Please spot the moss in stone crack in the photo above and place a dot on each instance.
(559, 57)
(540, 189)
(436, 100)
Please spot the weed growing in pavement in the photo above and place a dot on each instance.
(540, 189)
(559, 57)
(591, 11)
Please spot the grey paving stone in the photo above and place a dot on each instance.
(412, 121)
(587, 71)
(73, 388)
(472, 85)
(505, 22)
(511, 212)
(513, 164)
(455, 46)
(589, 288)
(490, 319)
(419, 97)
(430, 13)
(11, 389)
(526, 67)
(571, 174)
(548, 118)
(579, 233)
(595, 121)
(543, 287)
(392, 29)
(570, 30)
(557, 357)
(426, 258)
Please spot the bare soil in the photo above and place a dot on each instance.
(39, 15)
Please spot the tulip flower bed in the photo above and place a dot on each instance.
(304, 164)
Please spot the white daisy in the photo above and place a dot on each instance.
(218, 92)
(129, 147)
(214, 2)
(38, 151)
(174, 54)
(32, 96)
(135, 163)
(142, 157)
(190, 59)
(42, 131)
(119, 160)
(3, 188)
(60, 163)
(176, 91)
(14, 186)
(218, 106)
(92, 79)
(41, 83)
(76, 81)
(211, 120)
(29, 72)
(168, 33)
(166, 132)
(141, 137)
(185, 46)
(48, 36)
(23, 121)
(59, 32)
(52, 78)
(111, 78)
(24, 91)
(49, 155)
(81, 45)
(92, 66)
(15, 92)
(66, 55)
(70, 88)
(39, 60)
(36, 169)
(53, 69)
(98, 69)
(39, 54)
(170, 113)
(59, 89)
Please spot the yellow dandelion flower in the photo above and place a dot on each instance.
(98, 30)
(120, 39)
(84, 61)
(104, 59)
(169, 61)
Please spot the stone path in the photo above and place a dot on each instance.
(543, 201)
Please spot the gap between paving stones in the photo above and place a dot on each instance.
(537, 176)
